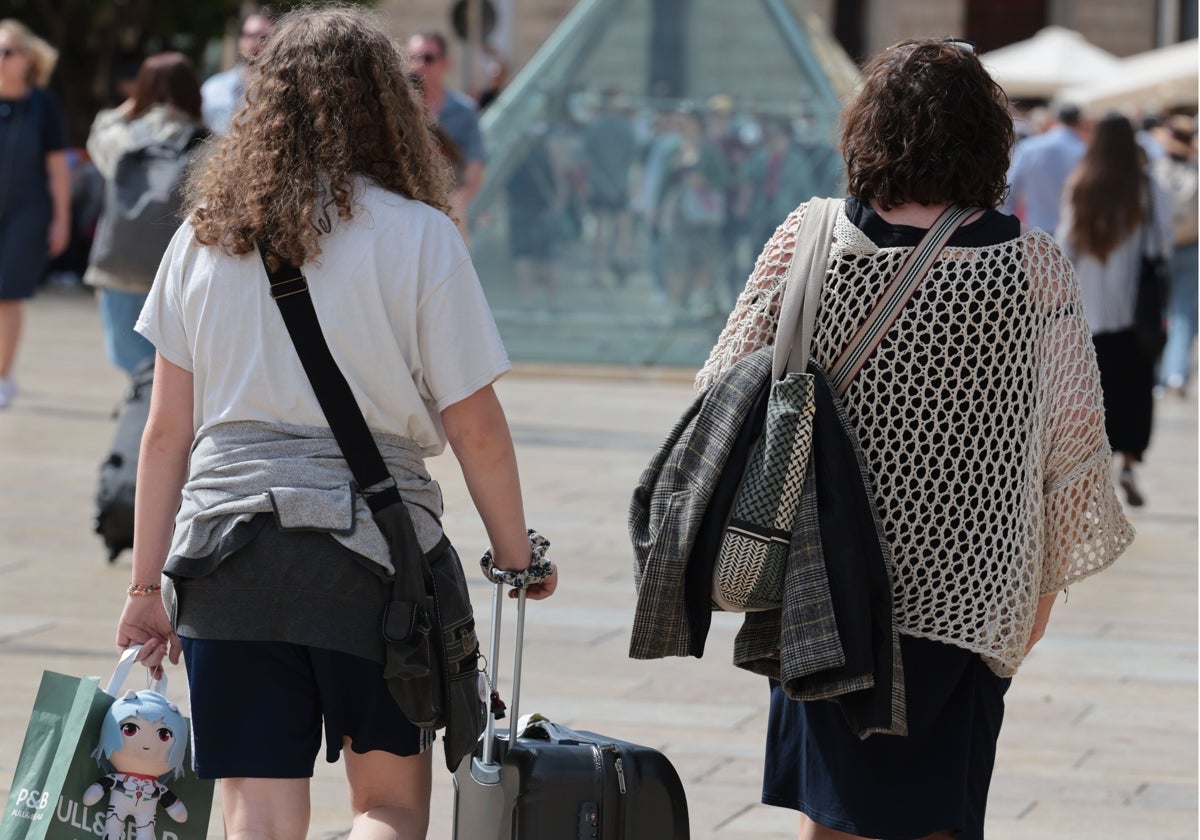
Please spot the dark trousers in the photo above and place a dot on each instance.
(1127, 380)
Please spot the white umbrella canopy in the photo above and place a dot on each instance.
(1148, 82)
(1040, 66)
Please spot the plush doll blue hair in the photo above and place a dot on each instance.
(142, 743)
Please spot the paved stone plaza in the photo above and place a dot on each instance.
(1100, 739)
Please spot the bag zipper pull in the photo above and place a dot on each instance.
(618, 764)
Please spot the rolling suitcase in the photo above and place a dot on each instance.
(555, 783)
(118, 473)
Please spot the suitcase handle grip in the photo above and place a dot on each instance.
(489, 734)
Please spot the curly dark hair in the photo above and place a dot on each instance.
(929, 126)
(328, 98)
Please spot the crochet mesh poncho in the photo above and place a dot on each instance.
(981, 421)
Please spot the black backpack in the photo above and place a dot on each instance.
(142, 202)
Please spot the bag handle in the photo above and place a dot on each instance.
(798, 311)
(125, 667)
(484, 768)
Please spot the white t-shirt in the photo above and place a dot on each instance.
(399, 303)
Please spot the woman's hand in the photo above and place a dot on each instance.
(58, 175)
(539, 591)
(1040, 619)
(144, 622)
(58, 236)
(162, 469)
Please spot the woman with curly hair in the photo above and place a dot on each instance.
(275, 576)
(1114, 212)
(982, 429)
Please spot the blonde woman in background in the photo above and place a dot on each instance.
(35, 183)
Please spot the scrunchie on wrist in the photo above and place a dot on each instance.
(538, 570)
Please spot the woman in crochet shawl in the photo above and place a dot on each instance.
(982, 427)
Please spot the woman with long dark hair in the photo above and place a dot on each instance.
(1113, 213)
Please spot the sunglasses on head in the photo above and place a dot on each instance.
(424, 58)
(961, 43)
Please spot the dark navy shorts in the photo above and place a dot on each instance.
(259, 708)
(888, 786)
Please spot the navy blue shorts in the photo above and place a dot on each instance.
(888, 786)
(258, 708)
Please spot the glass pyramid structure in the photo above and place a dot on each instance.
(638, 164)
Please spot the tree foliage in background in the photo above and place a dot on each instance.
(94, 37)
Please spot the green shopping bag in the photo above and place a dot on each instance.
(56, 767)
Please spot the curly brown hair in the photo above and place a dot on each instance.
(328, 99)
(929, 126)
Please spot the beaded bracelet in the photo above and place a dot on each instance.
(538, 570)
(143, 589)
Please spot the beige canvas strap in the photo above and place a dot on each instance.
(802, 286)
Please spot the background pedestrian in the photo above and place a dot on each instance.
(456, 115)
(35, 183)
(224, 93)
(163, 113)
(1113, 213)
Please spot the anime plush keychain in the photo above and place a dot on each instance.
(142, 741)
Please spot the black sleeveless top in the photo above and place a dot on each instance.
(992, 228)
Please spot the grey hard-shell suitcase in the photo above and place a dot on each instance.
(555, 783)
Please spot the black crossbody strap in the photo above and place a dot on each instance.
(289, 289)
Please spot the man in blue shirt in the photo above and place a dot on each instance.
(224, 94)
(455, 114)
(1040, 167)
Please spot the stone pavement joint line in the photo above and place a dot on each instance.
(1100, 737)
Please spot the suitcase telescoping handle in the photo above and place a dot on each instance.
(484, 767)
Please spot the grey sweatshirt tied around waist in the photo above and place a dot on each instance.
(241, 469)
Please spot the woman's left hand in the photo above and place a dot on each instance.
(1040, 619)
(144, 622)
(58, 237)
